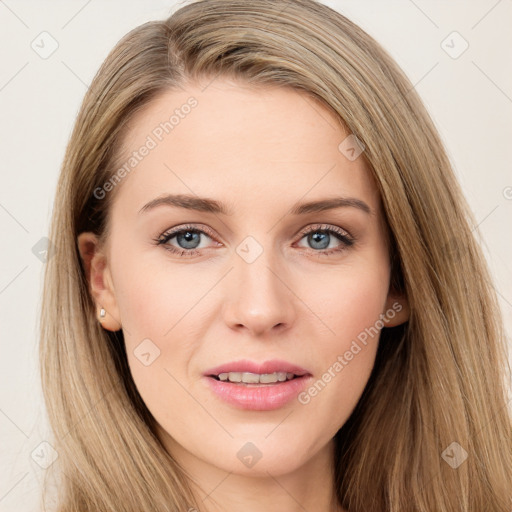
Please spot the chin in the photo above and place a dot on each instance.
(259, 455)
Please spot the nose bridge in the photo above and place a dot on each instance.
(259, 298)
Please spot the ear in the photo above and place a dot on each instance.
(396, 311)
(100, 280)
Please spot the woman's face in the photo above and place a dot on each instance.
(272, 261)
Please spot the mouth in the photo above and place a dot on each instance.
(255, 379)
(257, 386)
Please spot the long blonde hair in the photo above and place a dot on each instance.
(439, 379)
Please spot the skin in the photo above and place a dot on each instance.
(259, 151)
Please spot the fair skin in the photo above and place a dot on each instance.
(259, 152)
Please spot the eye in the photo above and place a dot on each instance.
(188, 239)
(320, 238)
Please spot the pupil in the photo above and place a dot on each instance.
(188, 238)
(318, 235)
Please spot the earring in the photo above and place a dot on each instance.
(102, 314)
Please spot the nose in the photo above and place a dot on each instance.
(259, 299)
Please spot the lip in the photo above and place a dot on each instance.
(245, 365)
(257, 397)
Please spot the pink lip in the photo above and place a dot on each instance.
(258, 397)
(244, 365)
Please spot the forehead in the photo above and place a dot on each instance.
(232, 140)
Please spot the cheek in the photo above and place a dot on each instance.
(159, 307)
(349, 299)
(350, 313)
(153, 298)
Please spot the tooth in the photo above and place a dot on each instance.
(255, 378)
(250, 378)
(268, 377)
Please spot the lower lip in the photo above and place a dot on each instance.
(258, 397)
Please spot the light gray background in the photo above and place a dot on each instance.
(469, 98)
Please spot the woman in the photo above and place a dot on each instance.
(314, 328)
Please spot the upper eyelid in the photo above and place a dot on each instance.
(179, 229)
(324, 227)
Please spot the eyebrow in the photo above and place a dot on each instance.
(204, 204)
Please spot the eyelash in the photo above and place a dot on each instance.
(340, 234)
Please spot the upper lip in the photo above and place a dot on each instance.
(245, 365)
